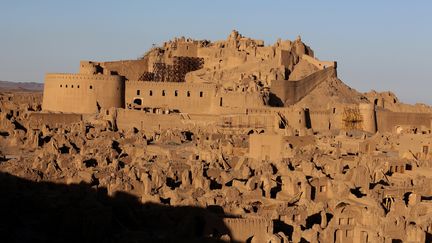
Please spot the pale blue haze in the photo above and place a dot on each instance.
(381, 45)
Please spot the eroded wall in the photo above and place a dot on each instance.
(242, 230)
(128, 119)
(39, 119)
(265, 146)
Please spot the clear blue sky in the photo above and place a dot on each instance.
(381, 45)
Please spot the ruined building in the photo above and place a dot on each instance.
(237, 82)
(224, 141)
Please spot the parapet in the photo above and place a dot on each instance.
(79, 77)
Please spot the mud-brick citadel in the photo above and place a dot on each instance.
(237, 83)
(214, 141)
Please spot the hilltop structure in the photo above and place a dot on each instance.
(238, 82)
(226, 141)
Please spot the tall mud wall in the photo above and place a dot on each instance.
(82, 93)
(286, 92)
(388, 120)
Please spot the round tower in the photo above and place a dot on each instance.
(369, 119)
(82, 93)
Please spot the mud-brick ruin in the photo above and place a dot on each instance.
(225, 141)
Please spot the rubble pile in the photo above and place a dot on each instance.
(204, 185)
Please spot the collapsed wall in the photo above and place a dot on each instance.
(39, 119)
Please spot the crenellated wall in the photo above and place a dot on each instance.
(82, 93)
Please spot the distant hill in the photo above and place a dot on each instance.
(21, 86)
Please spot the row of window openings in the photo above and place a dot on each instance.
(188, 93)
(61, 86)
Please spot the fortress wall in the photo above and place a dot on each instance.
(59, 95)
(320, 120)
(317, 63)
(128, 119)
(388, 120)
(110, 91)
(240, 100)
(191, 97)
(290, 92)
(252, 121)
(81, 93)
(131, 69)
(228, 110)
(368, 114)
(296, 118)
(202, 120)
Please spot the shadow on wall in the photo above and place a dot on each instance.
(308, 119)
(47, 212)
(275, 101)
